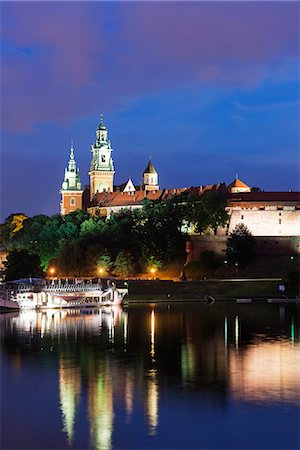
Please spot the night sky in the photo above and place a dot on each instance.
(207, 89)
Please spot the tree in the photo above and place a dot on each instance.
(105, 263)
(124, 265)
(12, 225)
(21, 264)
(240, 245)
(206, 211)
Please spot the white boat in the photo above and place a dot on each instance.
(8, 304)
(67, 296)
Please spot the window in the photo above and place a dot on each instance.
(279, 221)
(72, 201)
(242, 217)
(279, 214)
(103, 158)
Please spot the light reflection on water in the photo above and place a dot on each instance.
(140, 371)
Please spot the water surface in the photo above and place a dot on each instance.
(173, 376)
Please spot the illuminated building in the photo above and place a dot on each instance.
(272, 217)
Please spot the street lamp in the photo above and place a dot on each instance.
(52, 271)
(153, 270)
(100, 270)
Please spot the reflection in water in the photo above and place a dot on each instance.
(267, 371)
(100, 406)
(236, 332)
(225, 332)
(188, 361)
(240, 353)
(128, 392)
(152, 334)
(69, 392)
(152, 401)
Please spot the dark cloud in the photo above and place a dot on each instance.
(72, 58)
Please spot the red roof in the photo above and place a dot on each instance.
(264, 197)
(238, 184)
(110, 199)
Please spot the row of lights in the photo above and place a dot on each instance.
(101, 270)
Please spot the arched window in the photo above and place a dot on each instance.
(72, 201)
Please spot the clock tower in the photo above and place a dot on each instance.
(102, 167)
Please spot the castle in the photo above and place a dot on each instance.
(101, 177)
(272, 217)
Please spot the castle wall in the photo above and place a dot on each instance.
(267, 222)
(264, 244)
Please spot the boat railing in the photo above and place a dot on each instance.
(84, 287)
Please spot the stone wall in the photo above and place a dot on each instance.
(267, 222)
(265, 245)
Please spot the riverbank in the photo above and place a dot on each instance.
(222, 290)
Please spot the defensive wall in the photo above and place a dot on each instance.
(265, 245)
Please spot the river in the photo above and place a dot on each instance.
(177, 376)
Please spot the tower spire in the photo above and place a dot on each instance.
(71, 189)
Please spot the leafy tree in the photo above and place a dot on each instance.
(152, 263)
(240, 245)
(159, 230)
(21, 264)
(124, 265)
(206, 211)
(11, 226)
(105, 262)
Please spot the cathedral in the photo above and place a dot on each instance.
(101, 174)
(272, 217)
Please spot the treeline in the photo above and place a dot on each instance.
(126, 243)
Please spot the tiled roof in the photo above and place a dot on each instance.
(150, 168)
(123, 199)
(264, 197)
(238, 184)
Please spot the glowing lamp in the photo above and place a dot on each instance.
(101, 270)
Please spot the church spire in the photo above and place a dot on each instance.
(71, 190)
(150, 178)
(71, 179)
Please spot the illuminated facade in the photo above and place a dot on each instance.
(267, 215)
(71, 190)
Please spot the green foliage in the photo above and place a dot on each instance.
(21, 264)
(76, 244)
(105, 262)
(12, 225)
(240, 246)
(124, 265)
(206, 211)
(152, 263)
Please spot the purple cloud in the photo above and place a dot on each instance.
(73, 59)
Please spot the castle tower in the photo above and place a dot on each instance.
(71, 191)
(150, 178)
(102, 167)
